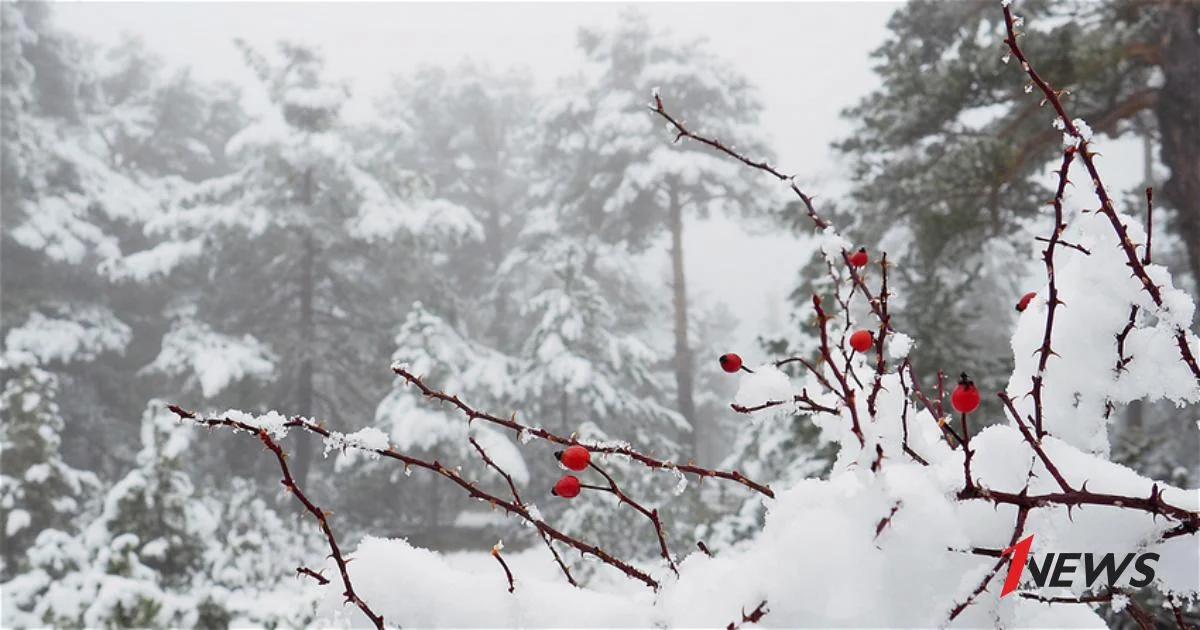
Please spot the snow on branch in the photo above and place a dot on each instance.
(1079, 130)
(289, 483)
(917, 517)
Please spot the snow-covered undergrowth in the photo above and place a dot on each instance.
(894, 536)
(910, 527)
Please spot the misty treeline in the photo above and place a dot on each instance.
(161, 244)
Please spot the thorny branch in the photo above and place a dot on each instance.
(652, 515)
(885, 323)
(512, 424)
(1034, 443)
(290, 484)
(1186, 521)
(802, 400)
(762, 165)
(1018, 531)
(904, 419)
(469, 486)
(1048, 257)
(516, 494)
(847, 393)
(1107, 208)
(1189, 522)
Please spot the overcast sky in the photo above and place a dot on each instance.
(808, 59)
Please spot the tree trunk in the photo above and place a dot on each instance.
(304, 384)
(1178, 113)
(683, 351)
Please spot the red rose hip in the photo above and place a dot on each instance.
(859, 258)
(567, 487)
(575, 457)
(1025, 300)
(730, 362)
(965, 397)
(861, 340)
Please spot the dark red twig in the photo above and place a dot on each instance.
(512, 487)
(290, 484)
(752, 617)
(449, 473)
(1018, 531)
(1149, 224)
(1034, 443)
(802, 400)
(512, 424)
(1107, 208)
(1154, 504)
(652, 515)
(321, 579)
(683, 132)
(847, 393)
(883, 522)
(1060, 242)
(1048, 258)
(885, 323)
(504, 565)
(1122, 359)
(967, 452)
(904, 418)
(936, 411)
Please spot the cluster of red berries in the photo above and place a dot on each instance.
(575, 457)
(964, 398)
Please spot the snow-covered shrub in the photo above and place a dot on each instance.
(161, 554)
(919, 517)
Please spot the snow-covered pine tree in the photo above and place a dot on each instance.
(134, 564)
(300, 225)
(460, 138)
(38, 490)
(468, 133)
(611, 173)
(421, 509)
(66, 209)
(586, 369)
(248, 561)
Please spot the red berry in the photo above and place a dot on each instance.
(567, 487)
(730, 362)
(859, 258)
(1024, 302)
(575, 457)
(965, 397)
(861, 340)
